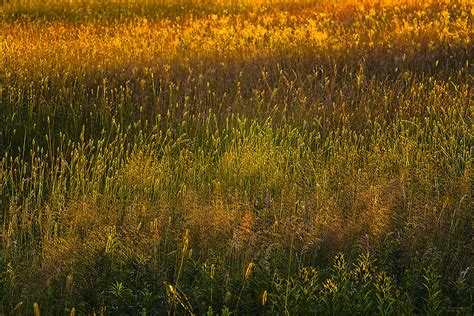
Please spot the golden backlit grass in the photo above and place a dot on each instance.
(159, 44)
(153, 151)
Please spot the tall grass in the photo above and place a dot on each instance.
(289, 157)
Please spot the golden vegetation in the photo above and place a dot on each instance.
(187, 156)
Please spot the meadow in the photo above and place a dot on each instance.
(236, 157)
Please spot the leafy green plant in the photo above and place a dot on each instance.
(119, 297)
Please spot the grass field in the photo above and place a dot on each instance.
(290, 157)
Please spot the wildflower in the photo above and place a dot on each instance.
(249, 270)
(331, 286)
(36, 310)
(213, 271)
(339, 262)
(264, 297)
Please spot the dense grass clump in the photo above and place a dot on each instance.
(236, 157)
